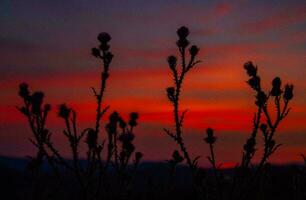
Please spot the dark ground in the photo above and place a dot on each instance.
(151, 182)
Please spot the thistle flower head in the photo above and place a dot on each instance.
(182, 43)
(111, 127)
(170, 91)
(36, 101)
(134, 116)
(277, 82)
(288, 94)
(250, 145)
(91, 139)
(276, 87)
(194, 50)
(133, 119)
(95, 52)
(24, 91)
(37, 97)
(64, 111)
(182, 32)
(210, 139)
(250, 68)
(172, 61)
(104, 37)
(114, 117)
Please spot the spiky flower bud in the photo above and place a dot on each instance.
(96, 52)
(64, 111)
(172, 61)
(288, 94)
(250, 145)
(104, 37)
(210, 139)
(250, 68)
(276, 87)
(91, 139)
(182, 43)
(133, 119)
(134, 116)
(36, 101)
(24, 91)
(182, 32)
(194, 50)
(114, 117)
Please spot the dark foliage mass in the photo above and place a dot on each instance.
(112, 168)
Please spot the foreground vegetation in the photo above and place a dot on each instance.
(111, 168)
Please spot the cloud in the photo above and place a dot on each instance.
(223, 9)
(274, 21)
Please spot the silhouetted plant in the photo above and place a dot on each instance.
(263, 122)
(112, 161)
(174, 92)
(211, 140)
(36, 113)
(269, 128)
(173, 162)
(120, 131)
(92, 175)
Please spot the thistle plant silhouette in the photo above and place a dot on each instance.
(281, 97)
(111, 160)
(269, 127)
(93, 174)
(173, 93)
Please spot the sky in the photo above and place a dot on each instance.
(47, 44)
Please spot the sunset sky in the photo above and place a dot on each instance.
(47, 44)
